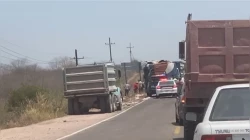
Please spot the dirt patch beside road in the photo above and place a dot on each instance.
(56, 128)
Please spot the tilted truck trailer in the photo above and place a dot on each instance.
(216, 54)
(154, 71)
(92, 86)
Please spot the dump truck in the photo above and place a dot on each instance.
(216, 53)
(181, 67)
(92, 86)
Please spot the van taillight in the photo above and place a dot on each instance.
(217, 137)
(158, 87)
(174, 86)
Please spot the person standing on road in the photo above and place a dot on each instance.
(127, 89)
(140, 85)
(136, 87)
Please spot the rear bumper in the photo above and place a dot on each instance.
(85, 95)
(166, 93)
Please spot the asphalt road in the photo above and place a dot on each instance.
(152, 120)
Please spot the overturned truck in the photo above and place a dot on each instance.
(154, 71)
(216, 54)
(92, 86)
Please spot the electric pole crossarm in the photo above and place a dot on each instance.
(130, 51)
(76, 57)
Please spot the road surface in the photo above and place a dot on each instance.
(151, 120)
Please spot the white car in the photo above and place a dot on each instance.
(227, 116)
(166, 87)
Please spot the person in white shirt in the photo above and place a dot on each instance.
(140, 86)
(127, 89)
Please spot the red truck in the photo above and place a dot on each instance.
(217, 53)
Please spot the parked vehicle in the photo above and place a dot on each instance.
(216, 54)
(179, 104)
(227, 115)
(167, 88)
(92, 86)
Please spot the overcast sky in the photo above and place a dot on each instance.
(44, 30)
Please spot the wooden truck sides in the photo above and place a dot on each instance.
(217, 53)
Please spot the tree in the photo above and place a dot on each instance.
(61, 62)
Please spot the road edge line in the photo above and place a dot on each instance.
(81, 130)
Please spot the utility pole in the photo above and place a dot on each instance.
(125, 71)
(139, 63)
(110, 51)
(76, 57)
(130, 51)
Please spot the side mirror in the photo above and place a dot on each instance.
(191, 116)
(119, 74)
(182, 50)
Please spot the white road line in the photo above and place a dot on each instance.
(102, 121)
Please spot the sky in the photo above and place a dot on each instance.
(43, 30)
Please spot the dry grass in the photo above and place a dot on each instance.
(47, 104)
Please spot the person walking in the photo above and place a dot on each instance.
(127, 89)
(140, 86)
(136, 87)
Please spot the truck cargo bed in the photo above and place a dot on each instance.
(89, 80)
(218, 51)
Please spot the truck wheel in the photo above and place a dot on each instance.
(176, 119)
(109, 104)
(181, 122)
(103, 104)
(77, 110)
(114, 103)
(189, 128)
(85, 110)
(70, 106)
(119, 107)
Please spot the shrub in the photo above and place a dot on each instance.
(18, 98)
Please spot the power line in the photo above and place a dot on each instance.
(110, 51)
(26, 48)
(130, 51)
(7, 58)
(33, 59)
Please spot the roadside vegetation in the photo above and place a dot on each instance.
(31, 94)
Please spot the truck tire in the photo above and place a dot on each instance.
(77, 110)
(181, 122)
(177, 121)
(109, 104)
(114, 108)
(119, 107)
(85, 110)
(189, 128)
(70, 106)
(103, 104)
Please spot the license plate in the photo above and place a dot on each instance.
(166, 91)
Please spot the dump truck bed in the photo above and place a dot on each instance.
(217, 53)
(89, 80)
(218, 50)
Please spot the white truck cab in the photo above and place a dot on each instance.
(227, 116)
